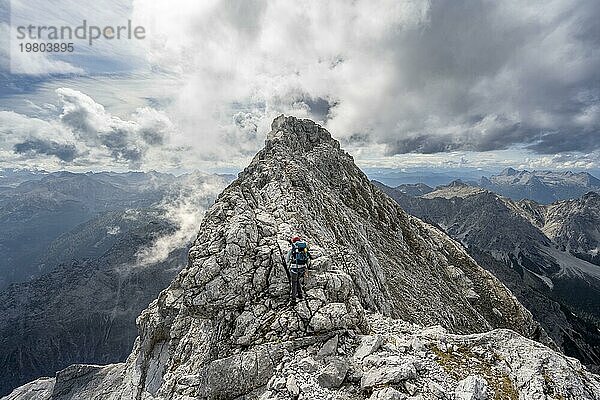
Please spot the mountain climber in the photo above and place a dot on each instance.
(297, 260)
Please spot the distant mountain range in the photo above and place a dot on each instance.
(37, 207)
(546, 254)
(541, 186)
(74, 243)
(427, 176)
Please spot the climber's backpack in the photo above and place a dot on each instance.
(300, 253)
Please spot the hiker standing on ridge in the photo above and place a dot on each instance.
(297, 261)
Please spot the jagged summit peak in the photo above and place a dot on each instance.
(458, 183)
(509, 171)
(298, 133)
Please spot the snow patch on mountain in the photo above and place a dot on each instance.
(544, 279)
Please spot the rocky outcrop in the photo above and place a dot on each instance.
(224, 329)
(407, 362)
(413, 362)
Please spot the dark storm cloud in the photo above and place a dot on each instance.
(564, 141)
(120, 146)
(489, 75)
(319, 107)
(408, 76)
(498, 135)
(84, 133)
(34, 147)
(152, 137)
(125, 140)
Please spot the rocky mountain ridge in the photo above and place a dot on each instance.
(574, 225)
(223, 328)
(541, 252)
(541, 186)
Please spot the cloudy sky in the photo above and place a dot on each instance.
(402, 84)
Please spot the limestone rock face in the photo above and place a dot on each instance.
(414, 362)
(473, 387)
(224, 330)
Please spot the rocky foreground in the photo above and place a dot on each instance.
(397, 361)
(224, 330)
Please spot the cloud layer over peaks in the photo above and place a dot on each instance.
(416, 76)
(474, 80)
(85, 134)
